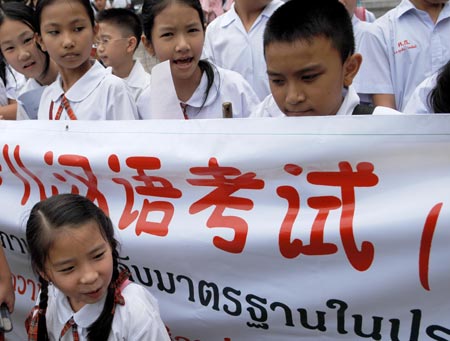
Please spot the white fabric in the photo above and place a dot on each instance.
(230, 46)
(359, 29)
(269, 108)
(31, 84)
(228, 86)
(137, 320)
(29, 99)
(138, 79)
(401, 49)
(418, 102)
(3, 95)
(14, 83)
(97, 95)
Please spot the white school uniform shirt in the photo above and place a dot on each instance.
(228, 86)
(15, 81)
(3, 96)
(97, 95)
(401, 49)
(359, 29)
(230, 46)
(137, 80)
(269, 108)
(29, 99)
(137, 320)
(419, 103)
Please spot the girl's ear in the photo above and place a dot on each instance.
(38, 39)
(351, 67)
(148, 45)
(44, 276)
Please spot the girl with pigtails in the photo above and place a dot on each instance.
(84, 295)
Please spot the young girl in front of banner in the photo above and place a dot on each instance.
(185, 86)
(84, 89)
(84, 295)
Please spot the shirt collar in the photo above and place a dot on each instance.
(83, 317)
(198, 97)
(83, 87)
(231, 15)
(406, 6)
(138, 76)
(351, 100)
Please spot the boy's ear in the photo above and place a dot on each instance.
(96, 28)
(351, 67)
(148, 45)
(39, 41)
(132, 42)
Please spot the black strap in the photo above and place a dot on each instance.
(363, 109)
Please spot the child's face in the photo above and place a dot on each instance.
(307, 79)
(178, 36)
(67, 33)
(18, 46)
(80, 264)
(100, 4)
(112, 47)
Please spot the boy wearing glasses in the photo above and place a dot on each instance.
(119, 35)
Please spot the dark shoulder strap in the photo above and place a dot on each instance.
(363, 109)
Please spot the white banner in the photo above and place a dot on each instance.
(264, 229)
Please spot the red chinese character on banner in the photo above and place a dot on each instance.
(228, 180)
(87, 178)
(22, 177)
(347, 180)
(152, 186)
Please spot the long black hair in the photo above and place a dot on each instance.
(69, 211)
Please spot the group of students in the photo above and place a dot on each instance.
(203, 70)
(304, 65)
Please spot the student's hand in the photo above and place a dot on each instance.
(6, 287)
(7, 291)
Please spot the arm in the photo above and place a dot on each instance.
(384, 100)
(9, 111)
(6, 287)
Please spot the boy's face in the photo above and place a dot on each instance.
(112, 47)
(307, 79)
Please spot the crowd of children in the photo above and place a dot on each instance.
(203, 63)
(268, 58)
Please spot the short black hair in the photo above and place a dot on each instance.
(124, 19)
(305, 20)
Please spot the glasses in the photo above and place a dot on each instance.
(105, 42)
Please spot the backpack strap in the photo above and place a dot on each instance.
(363, 109)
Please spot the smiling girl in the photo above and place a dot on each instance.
(20, 50)
(84, 295)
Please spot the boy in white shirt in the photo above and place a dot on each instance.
(234, 41)
(402, 48)
(119, 35)
(309, 50)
